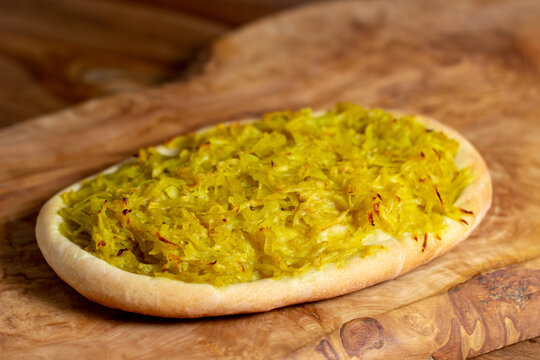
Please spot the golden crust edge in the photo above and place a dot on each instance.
(105, 284)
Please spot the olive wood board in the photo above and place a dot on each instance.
(472, 65)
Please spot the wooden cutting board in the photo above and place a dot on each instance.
(474, 66)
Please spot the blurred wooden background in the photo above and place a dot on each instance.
(56, 53)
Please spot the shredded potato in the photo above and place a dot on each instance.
(277, 197)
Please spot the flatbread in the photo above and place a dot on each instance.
(103, 283)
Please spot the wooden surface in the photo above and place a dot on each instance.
(476, 69)
(485, 313)
(68, 51)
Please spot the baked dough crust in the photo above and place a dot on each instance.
(103, 283)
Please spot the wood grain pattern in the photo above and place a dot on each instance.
(483, 314)
(527, 350)
(69, 51)
(76, 50)
(476, 69)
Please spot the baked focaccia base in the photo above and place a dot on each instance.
(105, 284)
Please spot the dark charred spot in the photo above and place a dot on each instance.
(126, 211)
(379, 196)
(463, 221)
(370, 218)
(125, 200)
(421, 180)
(224, 220)
(424, 244)
(422, 154)
(439, 196)
(213, 262)
(102, 243)
(121, 251)
(468, 212)
(437, 153)
(161, 238)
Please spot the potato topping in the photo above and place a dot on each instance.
(277, 197)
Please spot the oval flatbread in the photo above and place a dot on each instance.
(103, 283)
